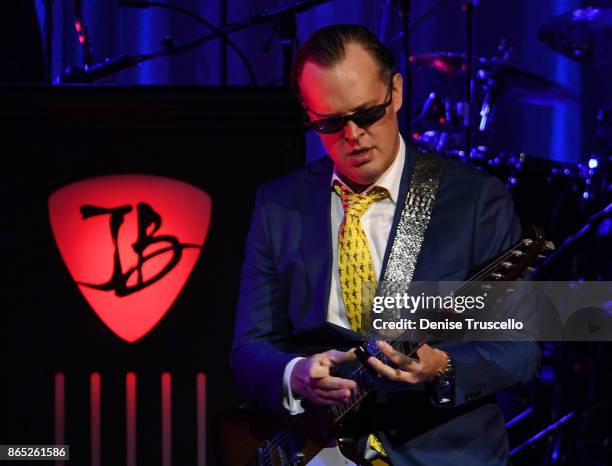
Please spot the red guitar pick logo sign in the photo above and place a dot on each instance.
(130, 243)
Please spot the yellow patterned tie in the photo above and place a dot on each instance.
(357, 276)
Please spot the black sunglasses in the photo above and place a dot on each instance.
(362, 118)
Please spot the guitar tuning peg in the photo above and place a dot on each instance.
(541, 257)
(531, 269)
(549, 246)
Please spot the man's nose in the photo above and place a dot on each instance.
(352, 132)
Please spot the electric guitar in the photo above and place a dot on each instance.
(260, 438)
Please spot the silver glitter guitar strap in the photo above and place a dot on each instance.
(414, 219)
(406, 247)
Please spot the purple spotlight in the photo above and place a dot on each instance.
(585, 195)
(547, 374)
(512, 180)
(593, 163)
(604, 228)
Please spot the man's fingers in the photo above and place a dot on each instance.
(338, 357)
(320, 364)
(332, 396)
(335, 383)
(318, 372)
(391, 373)
(424, 351)
(401, 360)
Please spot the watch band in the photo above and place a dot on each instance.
(444, 382)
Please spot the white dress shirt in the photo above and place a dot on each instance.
(376, 222)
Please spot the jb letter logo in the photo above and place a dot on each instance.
(130, 243)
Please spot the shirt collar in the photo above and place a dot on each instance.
(390, 179)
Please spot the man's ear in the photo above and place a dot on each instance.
(398, 92)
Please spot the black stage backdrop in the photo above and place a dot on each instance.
(225, 141)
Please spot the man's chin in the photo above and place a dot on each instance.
(362, 177)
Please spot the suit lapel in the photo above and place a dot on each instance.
(316, 238)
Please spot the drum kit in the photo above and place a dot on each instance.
(448, 128)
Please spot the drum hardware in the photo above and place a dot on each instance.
(497, 79)
(491, 86)
(511, 82)
(442, 112)
(583, 35)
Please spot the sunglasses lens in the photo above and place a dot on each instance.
(368, 117)
(328, 125)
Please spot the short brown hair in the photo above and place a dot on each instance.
(326, 47)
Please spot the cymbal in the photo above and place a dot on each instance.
(527, 87)
(584, 35)
(509, 81)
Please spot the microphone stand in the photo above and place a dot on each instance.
(109, 67)
(405, 14)
(590, 225)
(48, 31)
(469, 7)
(286, 28)
(82, 32)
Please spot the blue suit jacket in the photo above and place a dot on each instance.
(285, 288)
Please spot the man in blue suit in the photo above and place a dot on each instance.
(292, 326)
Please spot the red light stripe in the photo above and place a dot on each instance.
(94, 408)
(130, 416)
(60, 413)
(166, 387)
(201, 418)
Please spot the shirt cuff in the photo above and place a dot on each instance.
(291, 403)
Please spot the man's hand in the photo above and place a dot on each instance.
(311, 378)
(406, 369)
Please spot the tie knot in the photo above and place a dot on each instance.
(356, 204)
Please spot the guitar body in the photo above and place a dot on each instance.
(243, 437)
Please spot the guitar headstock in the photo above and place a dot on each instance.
(519, 262)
